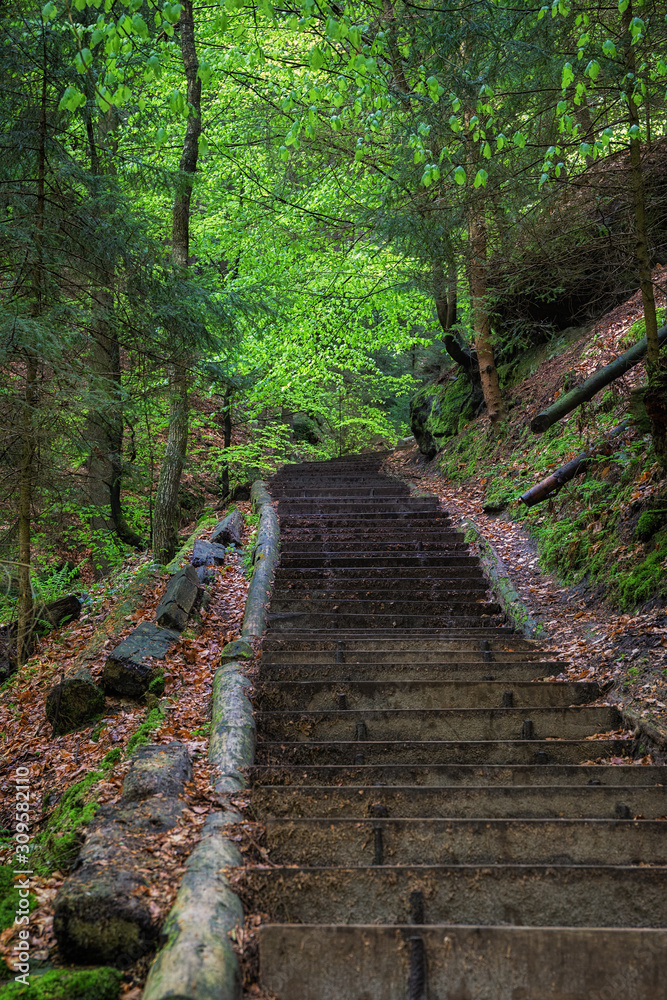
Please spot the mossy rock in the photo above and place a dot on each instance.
(437, 412)
(305, 428)
(650, 522)
(67, 984)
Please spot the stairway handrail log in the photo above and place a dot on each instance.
(265, 558)
(592, 385)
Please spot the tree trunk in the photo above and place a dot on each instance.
(227, 439)
(25, 603)
(592, 385)
(98, 431)
(656, 393)
(28, 444)
(487, 368)
(166, 499)
(165, 517)
(639, 203)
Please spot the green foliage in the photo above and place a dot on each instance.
(67, 984)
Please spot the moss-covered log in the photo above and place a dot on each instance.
(232, 744)
(598, 380)
(198, 961)
(102, 912)
(264, 562)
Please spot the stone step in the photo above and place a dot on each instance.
(416, 590)
(446, 541)
(297, 620)
(322, 695)
(461, 776)
(432, 752)
(439, 724)
(390, 560)
(579, 801)
(455, 670)
(304, 604)
(538, 895)
(350, 841)
(360, 962)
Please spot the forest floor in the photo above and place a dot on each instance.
(68, 774)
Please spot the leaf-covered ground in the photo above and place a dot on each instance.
(61, 766)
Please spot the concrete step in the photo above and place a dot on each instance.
(439, 724)
(524, 895)
(459, 609)
(349, 841)
(581, 801)
(322, 695)
(288, 620)
(462, 776)
(433, 752)
(358, 962)
(474, 672)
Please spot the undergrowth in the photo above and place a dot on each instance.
(606, 530)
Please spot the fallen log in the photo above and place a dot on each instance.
(264, 561)
(575, 467)
(598, 380)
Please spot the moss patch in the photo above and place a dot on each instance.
(152, 722)
(67, 984)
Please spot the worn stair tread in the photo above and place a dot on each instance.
(359, 961)
(457, 776)
(350, 841)
(581, 801)
(357, 695)
(439, 723)
(426, 752)
(490, 894)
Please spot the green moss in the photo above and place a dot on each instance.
(58, 844)
(112, 757)
(649, 523)
(8, 898)
(638, 329)
(67, 984)
(156, 686)
(152, 722)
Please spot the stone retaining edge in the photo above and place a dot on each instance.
(198, 961)
(501, 585)
(264, 561)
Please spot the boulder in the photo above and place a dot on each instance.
(74, 702)
(229, 531)
(438, 411)
(58, 612)
(207, 554)
(157, 769)
(131, 668)
(178, 599)
(205, 574)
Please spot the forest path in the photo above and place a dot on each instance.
(600, 643)
(430, 828)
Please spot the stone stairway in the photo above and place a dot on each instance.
(432, 832)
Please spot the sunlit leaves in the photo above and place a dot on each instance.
(72, 99)
(460, 175)
(481, 177)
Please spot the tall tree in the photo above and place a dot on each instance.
(166, 501)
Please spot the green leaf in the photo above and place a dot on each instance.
(609, 48)
(486, 151)
(49, 11)
(623, 6)
(519, 139)
(203, 145)
(71, 99)
(160, 136)
(481, 177)
(460, 175)
(593, 69)
(568, 75)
